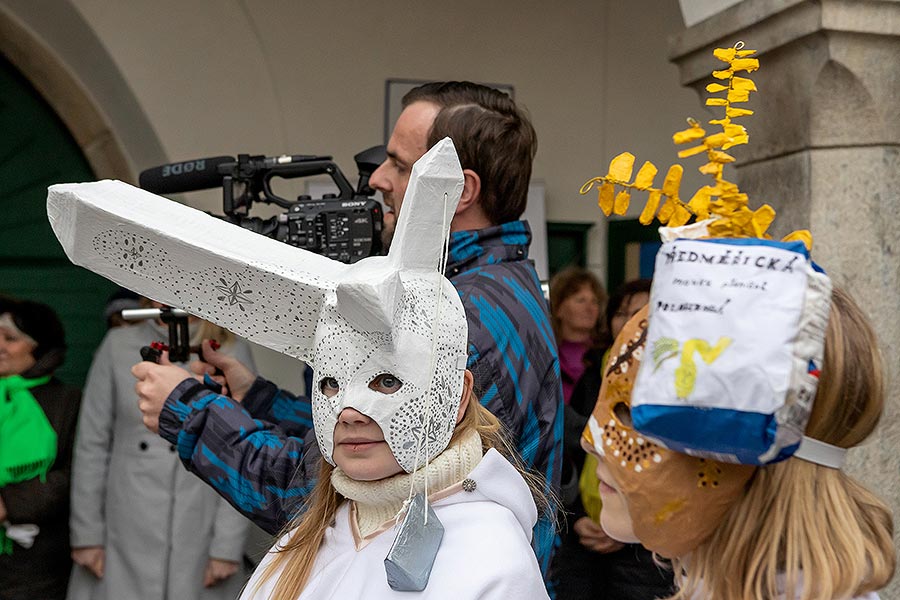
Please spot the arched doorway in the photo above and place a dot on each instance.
(37, 150)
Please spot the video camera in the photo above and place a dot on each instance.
(344, 226)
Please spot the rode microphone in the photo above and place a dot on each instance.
(187, 176)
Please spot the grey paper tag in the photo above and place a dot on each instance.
(409, 561)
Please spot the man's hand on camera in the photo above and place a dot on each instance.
(154, 384)
(238, 377)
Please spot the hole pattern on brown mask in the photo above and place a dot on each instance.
(620, 442)
(631, 451)
(708, 474)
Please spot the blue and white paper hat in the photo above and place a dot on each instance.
(737, 321)
(734, 348)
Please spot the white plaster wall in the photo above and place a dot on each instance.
(274, 76)
(695, 11)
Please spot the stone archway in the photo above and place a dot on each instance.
(60, 124)
(67, 97)
(59, 53)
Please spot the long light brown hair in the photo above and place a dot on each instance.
(296, 558)
(803, 524)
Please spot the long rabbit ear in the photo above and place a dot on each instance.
(434, 189)
(259, 288)
(369, 295)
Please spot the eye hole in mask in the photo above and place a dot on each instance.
(622, 413)
(329, 386)
(385, 383)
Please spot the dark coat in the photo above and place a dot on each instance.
(42, 571)
(629, 573)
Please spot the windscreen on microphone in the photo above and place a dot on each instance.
(186, 176)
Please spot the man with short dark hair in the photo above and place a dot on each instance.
(512, 352)
(494, 140)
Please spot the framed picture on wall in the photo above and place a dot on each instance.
(395, 89)
(631, 251)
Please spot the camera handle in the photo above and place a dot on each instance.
(257, 172)
(179, 345)
(306, 169)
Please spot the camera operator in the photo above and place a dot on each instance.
(512, 351)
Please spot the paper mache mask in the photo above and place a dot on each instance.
(675, 500)
(393, 314)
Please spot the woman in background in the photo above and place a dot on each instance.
(577, 299)
(142, 525)
(590, 563)
(37, 429)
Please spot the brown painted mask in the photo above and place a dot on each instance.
(675, 501)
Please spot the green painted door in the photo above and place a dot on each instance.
(36, 150)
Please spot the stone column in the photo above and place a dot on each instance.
(824, 151)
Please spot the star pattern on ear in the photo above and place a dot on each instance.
(133, 251)
(233, 293)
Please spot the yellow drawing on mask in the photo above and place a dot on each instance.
(686, 372)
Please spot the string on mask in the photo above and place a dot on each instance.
(425, 430)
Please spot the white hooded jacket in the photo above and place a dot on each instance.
(485, 552)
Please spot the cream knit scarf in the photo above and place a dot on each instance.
(377, 502)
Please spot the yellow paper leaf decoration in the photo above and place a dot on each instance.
(691, 151)
(681, 217)
(622, 200)
(725, 54)
(762, 218)
(744, 64)
(645, 176)
(621, 166)
(717, 156)
(650, 208)
(605, 198)
(722, 201)
(672, 181)
(738, 112)
(665, 213)
(801, 235)
(712, 168)
(699, 204)
(691, 134)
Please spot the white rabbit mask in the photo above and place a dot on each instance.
(393, 314)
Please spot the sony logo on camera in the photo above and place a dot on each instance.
(183, 167)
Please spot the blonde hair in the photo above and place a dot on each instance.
(204, 330)
(803, 524)
(296, 558)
